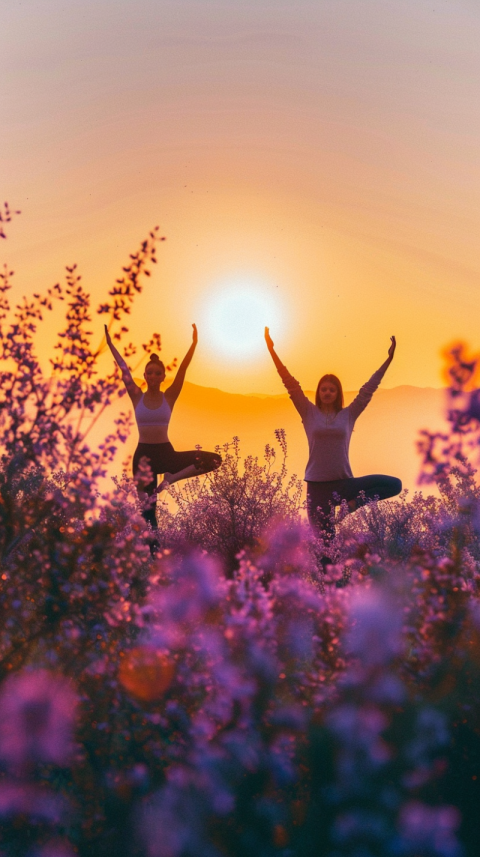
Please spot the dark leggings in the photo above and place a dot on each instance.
(162, 458)
(322, 497)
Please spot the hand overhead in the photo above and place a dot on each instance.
(268, 338)
(391, 350)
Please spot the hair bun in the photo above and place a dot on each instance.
(154, 358)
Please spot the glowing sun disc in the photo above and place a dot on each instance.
(236, 316)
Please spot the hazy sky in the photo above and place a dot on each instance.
(323, 153)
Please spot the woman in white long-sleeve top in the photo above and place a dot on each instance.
(328, 426)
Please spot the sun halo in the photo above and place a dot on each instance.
(235, 317)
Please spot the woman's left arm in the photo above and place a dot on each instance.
(366, 392)
(173, 392)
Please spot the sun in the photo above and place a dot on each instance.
(235, 316)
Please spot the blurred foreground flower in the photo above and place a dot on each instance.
(429, 830)
(37, 716)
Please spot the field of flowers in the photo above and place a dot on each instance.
(229, 694)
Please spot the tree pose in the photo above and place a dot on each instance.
(328, 426)
(153, 410)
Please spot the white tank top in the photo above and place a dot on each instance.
(153, 416)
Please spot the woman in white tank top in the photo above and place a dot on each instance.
(153, 410)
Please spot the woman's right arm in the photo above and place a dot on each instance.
(366, 392)
(133, 389)
(294, 389)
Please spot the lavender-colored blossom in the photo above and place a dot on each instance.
(37, 715)
(429, 831)
(195, 587)
(375, 636)
(172, 822)
(28, 800)
(359, 732)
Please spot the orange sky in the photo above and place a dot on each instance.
(327, 149)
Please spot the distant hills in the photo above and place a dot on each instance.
(383, 441)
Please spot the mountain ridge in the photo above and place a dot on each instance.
(307, 392)
(384, 439)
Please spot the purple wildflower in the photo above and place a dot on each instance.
(37, 715)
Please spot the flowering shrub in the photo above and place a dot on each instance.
(443, 451)
(393, 529)
(231, 695)
(232, 508)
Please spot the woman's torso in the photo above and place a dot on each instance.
(328, 442)
(153, 422)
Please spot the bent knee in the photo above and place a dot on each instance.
(207, 462)
(396, 485)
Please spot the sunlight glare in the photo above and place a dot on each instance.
(236, 315)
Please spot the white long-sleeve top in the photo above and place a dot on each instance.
(329, 435)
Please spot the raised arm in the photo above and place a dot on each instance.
(366, 392)
(133, 389)
(175, 387)
(294, 389)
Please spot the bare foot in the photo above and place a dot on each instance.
(165, 483)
